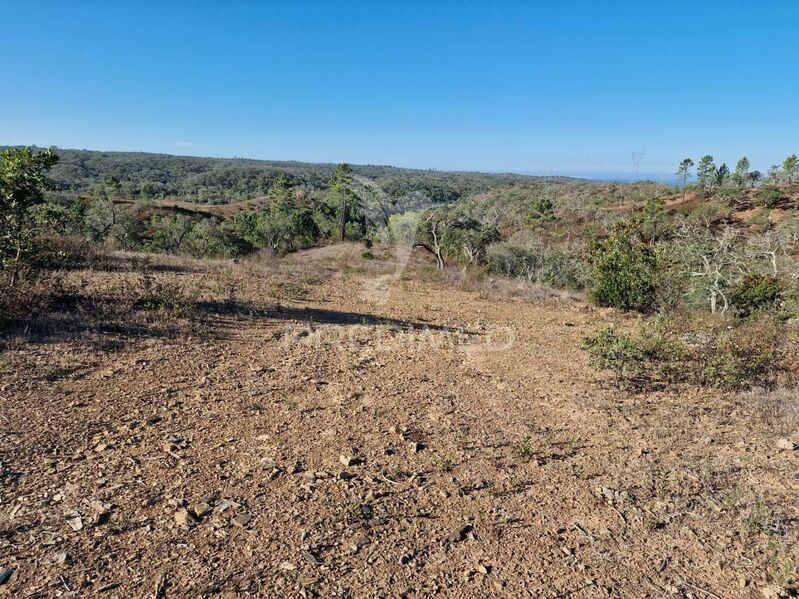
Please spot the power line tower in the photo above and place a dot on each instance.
(637, 156)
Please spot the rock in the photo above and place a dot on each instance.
(347, 460)
(287, 566)
(311, 558)
(786, 444)
(200, 510)
(74, 520)
(183, 518)
(5, 575)
(415, 447)
(62, 559)
(169, 447)
(773, 591)
(242, 520)
(483, 568)
(459, 534)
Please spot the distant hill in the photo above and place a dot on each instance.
(145, 176)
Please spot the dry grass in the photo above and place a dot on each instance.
(777, 407)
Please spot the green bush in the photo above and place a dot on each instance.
(718, 353)
(768, 196)
(653, 355)
(757, 293)
(624, 270)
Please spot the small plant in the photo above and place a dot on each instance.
(524, 449)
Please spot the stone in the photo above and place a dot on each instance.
(459, 534)
(5, 575)
(200, 510)
(242, 520)
(786, 444)
(183, 518)
(347, 460)
(74, 520)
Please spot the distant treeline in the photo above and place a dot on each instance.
(143, 176)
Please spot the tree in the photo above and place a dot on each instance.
(722, 174)
(22, 186)
(342, 196)
(540, 211)
(755, 177)
(705, 174)
(282, 196)
(684, 171)
(711, 261)
(790, 168)
(430, 233)
(467, 239)
(169, 232)
(741, 175)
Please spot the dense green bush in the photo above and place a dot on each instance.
(768, 196)
(624, 270)
(757, 293)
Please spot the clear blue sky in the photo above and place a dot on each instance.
(542, 87)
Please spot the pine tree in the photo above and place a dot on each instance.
(706, 174)
(684, 171)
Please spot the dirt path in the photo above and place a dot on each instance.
(417, 443)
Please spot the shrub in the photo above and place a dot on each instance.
(742, 356)
(654, 355)
(768, 196)
(624, 270)
(757, 293)
(561, 267)
(718, 353)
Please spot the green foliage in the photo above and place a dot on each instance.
(720, 354)
(652, 355)
(768, 196)
(242, 234)
(624, 270)
(706, 174)
(654, 223)
(742, 355)
(340, 215)
(546, 264)
(540, 212)
(22, 186)
(466, 239)
(757, 293)
(283, 198)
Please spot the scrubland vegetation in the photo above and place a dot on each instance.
(683, 301)
(711, 264)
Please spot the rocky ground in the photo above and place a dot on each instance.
(329, 430)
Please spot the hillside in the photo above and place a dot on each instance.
(138, 175)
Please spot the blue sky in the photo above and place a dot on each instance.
(540, 87)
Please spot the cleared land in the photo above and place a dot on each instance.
(309, 428)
